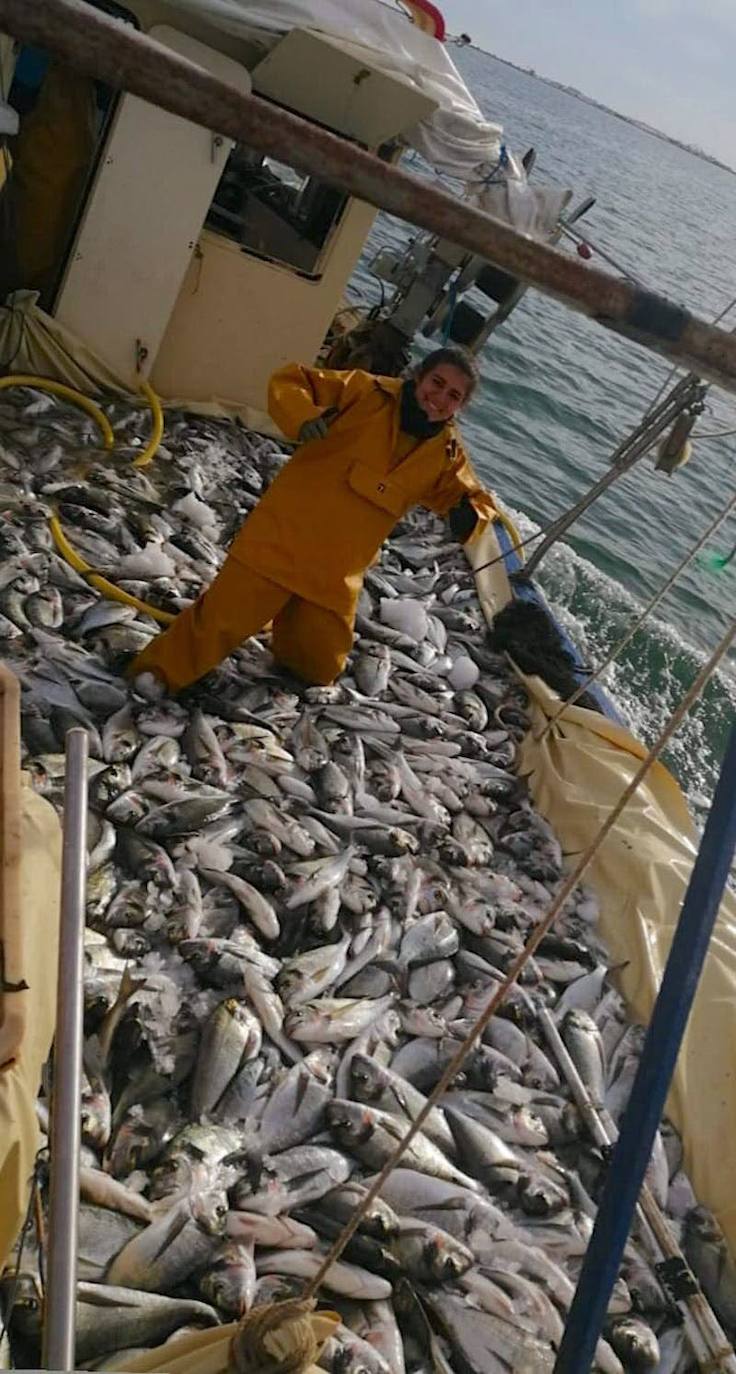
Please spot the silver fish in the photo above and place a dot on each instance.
(257, 906)
(292, 1179)
(316, 877)
(308, 975)
(379, 1086)
(110, 1317)
(347, 1279)
(172, 1247)
(331, 1019)
(372, 669)
(231, 1034)
(373, 1135)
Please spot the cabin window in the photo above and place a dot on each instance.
(274, 212)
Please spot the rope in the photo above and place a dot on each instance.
(714, 434)
(639, 621)
(276, 1338)
(537, 935)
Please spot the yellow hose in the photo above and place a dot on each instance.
(74, 397)
(83, 402)
(149, 452)
(100, 583)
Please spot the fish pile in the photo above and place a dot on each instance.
(299, 899)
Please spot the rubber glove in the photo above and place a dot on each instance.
(317, 429)
(463, 519)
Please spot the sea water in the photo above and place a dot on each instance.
(559, 393)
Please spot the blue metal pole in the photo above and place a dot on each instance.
(659, 1056)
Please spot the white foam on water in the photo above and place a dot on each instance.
(649, 679)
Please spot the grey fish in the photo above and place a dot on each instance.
(231, 1034)
(373, 1135)
(347, 1353)
(635, 1344)
(120, 738)
(381, 1087)
(495, 1164)
(428, 1254)
(331, 1019)
(487, 1342)
(267, 1004)
(308, 975)
(346, 1279)
(311, 750)
(105, 1192)
(316, 877)
(102, 1234)
(230, 1282)
(258, 907)
(294, 1112)
(264, 817)
(582, 1038)
(432, 982)
(378, 1219)
(707, 1252)
(292, 1179)
(110, 1317)
(431, 937)
(172, 1247)
(203, 750)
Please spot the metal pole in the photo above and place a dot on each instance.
(644, 1112)
(115, 53)
(61, 1290)
(702, 1328)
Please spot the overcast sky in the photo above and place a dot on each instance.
(669, 62)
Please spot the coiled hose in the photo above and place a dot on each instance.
(75, 560)
(75, 398)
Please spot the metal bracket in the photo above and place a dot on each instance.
(677, 1278)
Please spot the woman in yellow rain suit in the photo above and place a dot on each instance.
(370, 447)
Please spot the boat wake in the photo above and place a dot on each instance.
(652, 673)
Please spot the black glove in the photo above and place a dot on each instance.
(317, 428)
(463, 519)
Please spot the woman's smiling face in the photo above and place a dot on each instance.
(442, 391)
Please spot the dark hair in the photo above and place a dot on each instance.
(456, 356)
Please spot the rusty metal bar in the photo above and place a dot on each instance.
(115, 53)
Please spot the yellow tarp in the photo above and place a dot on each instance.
(29, 929)
(576, 773)
(295, 1338)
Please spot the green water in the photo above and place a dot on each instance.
(559, 393)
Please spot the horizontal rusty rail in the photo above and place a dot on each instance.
(91, 42)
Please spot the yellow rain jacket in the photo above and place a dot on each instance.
(324, 518)
(299, 560)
